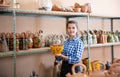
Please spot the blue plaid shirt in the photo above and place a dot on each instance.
(73, 49)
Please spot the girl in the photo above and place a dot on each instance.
(73, 49)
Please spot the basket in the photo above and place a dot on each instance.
(56, 49)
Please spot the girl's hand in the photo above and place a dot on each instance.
(58, 55)
(62, 56)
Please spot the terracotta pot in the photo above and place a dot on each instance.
(2, 1)
(95, 65)
(88, 7)
(116, 60)
(105, 37)
(79, 74)
(3, 43)
(97, 71)
(30, 45)
(101, 37)
(114, 70)
(77, 9)
(85, 62)
(17, 48)
(98, 65)
(84, 8)
(23, 41)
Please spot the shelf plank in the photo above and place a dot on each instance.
(47, 49)
(6, 54)
(55, 13)
(103, 16)
(34, 51)
(26, 52)
(43, 12)
(103, 45)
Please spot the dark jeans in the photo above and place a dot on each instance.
(66, 68)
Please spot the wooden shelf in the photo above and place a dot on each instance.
(103, 45)
(103, 16)
(33, 51)
(47, 49)
(25, 52)
(6, 54)
(53, 13)
(46, 13)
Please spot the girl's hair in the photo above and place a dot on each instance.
(72, 22)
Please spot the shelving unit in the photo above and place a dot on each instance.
(67, 15)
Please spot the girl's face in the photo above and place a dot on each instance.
(72, 30)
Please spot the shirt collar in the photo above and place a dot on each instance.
(75, 38)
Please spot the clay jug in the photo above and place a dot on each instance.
(17, 41)
(108, 64)
(79, 74)
(11, 42)
(62, 38)
(7, 35)
(116, 60)
(95, 65)
(115, 67)
(110, 37)
(84, 38)
(42, 38)
(94, 38)
(88, 64)
(114, 70)
(36, 41)
(101, 37)
(2, 1)
(115, 35)
(3, 43)
(47, 41)
(84, 8)
(45, 5)
(97, 72)
(23, 41)
(119, 36)
(90, 38)
(105, 37)
(30, 40)
(97, 33)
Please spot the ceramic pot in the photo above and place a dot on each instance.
(23, 41)
(84, 8)
(2, 1)
(45, 5)
(85, 62)
(79, 74)
(3, 43)
(77, 9)
(97, 71)
(116, 60)
(36, 42)
(114, 70)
